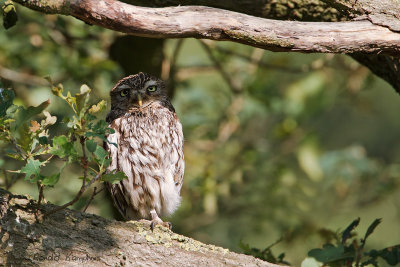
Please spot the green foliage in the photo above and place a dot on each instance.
(82, 141)
(311, 140)
(350, 252)
(32, 167)
(265, 254)
(113, 177)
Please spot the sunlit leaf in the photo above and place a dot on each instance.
(82, 99)
(50, 120)
(35, 126)
(57, 90)
(98, 107)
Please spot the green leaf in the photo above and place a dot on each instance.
(330, 253)
(51, 180)
(24, 115)
(113, 177)
(91, 145)
(10, 16)
(82, 100)
(101, 156)
(23, 137)
(43, 140)
(391, 254)
(32, 167)
(62, 147)
(370, 230)
(100, 153)
(347, 232)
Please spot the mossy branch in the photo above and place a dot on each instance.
(72, 238)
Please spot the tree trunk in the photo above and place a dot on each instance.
(72, 238)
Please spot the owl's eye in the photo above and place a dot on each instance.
(151, 88)
(124, 92)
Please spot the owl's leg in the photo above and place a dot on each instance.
(156, 220)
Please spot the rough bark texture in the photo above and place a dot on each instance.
(72, 238)
(375, 29)
(304, 10)
(222, 25)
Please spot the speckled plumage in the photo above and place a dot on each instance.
(150, 149)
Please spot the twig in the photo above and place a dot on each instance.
(84, 186)
(168, 68)
(41, 196)
(175, 57)
(37, 213)
(5, 180)
(84, 160)
(21, 77)
(261, 63)
(92, 197)
(77, 197)
(235, 89)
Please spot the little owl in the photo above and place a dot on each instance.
(149, 149)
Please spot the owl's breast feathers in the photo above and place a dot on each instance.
(150, 152)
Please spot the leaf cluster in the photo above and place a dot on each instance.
(81, 143)
(350, 251)
(265, 254)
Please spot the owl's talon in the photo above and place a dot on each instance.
(165, 224)
(156, 220)
(152, 225)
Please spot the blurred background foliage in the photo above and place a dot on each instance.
(276, 144)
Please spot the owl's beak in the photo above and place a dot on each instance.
(139, 100)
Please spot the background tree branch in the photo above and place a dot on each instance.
(72, 238)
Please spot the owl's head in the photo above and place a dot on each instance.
(138, 91)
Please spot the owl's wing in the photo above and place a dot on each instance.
(178, 177)
(180, 164)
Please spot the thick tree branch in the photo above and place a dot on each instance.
(222, 25)
(303, 10)
(72, 238)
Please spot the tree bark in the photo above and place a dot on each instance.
(222, 25)
(72, 238)
(375, 29)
